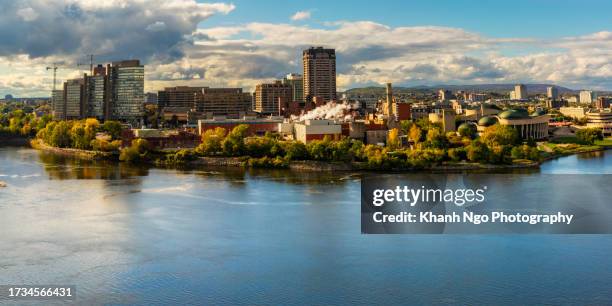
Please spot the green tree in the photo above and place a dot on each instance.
(477, 152)
(589, 135)
(233, 144)
(113, 128)
(60, 137)
(211, 141)
(499, 134)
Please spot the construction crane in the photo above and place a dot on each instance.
(54, 68)
(91, 62)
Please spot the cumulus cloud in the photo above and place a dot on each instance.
(165, 35)
(373, 53)
(300, 15)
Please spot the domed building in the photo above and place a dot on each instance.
(533, 126)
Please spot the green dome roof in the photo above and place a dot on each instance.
(514, 114)
(538, 113)
(466, 125)
(487, 121)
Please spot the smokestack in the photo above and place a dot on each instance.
(389, 100)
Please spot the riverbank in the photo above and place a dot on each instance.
(295, 165)
(82, 154)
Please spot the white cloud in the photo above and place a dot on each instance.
(27, 14)
(178, 53)
(300, 15)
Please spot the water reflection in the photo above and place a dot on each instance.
(66, 168)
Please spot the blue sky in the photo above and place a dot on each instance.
(516, 18)
(242, 43)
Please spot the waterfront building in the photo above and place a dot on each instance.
(126, 100)
(587, 96)
(257, 126)
(58, 104)
(96, 92)
(552, 92)
(269, 97)
(601, 119)
(534, 126)
(317, 129)
(319, 73)
(296, 82)
(74, 93)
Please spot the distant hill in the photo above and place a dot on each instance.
(498, 88)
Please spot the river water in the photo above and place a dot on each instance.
(127, 235)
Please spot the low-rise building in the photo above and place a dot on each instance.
(601, 119)
(317, 129)
(573, 112)
(257, 126)
(534, 126)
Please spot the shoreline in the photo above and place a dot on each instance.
(296, 165)
(305, 165)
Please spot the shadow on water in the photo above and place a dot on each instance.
(67, 168)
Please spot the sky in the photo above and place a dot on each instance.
(242, 43)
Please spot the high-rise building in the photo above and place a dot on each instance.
(126, 101)
(520, 92)
(223, 101)
(296, 82)
(96, 92)
(74, 94)
(269, 97)
(59, 105)
(319, 73)
(587, 96)
(552, 92)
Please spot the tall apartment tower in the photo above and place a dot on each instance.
(126, 91)
(319, 73)
(520, 92)
(552, 92)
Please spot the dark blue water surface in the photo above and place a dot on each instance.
(125, 235)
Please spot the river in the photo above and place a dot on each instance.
(127, 235)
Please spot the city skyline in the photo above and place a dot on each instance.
(184, 43)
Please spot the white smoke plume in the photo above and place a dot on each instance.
(331, 111)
